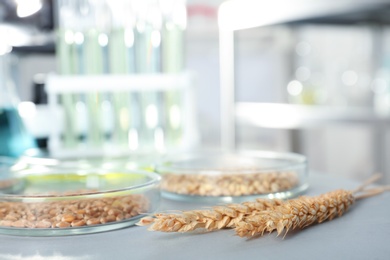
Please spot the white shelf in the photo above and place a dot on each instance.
(288, 116)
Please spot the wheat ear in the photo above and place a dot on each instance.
(304, 211)
(210, 219)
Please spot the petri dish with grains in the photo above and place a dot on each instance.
(55, 200)
(215, 176)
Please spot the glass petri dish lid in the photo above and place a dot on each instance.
(215, 176)
(130, 161)
(58, 202)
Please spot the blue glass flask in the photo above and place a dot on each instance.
(14, 137)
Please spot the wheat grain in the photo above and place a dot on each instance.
(229, 184)
(210, 219)
(71, 213)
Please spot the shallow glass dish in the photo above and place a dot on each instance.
(232, 176)
(131, 161)
(55, 202)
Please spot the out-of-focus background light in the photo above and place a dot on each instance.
(27, 7)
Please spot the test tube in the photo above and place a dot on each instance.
(174, 24)
(67, 59)
(148, 50)
(121, 48)
(95, 60)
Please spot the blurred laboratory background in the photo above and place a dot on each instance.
(98, 77)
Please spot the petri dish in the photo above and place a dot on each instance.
(227, 177)
(57, 201)
(131, 161)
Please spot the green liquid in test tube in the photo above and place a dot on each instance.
(121, 49)
(148, 44)
(173, 62)
(155, 110)
(67, 62)
(93, 61)
(173, 56)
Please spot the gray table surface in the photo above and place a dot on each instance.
(362, 233)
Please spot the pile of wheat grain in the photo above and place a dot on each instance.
(229, 184)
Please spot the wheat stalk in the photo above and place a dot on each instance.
(210, 219)
(304, 211)
(255, 218)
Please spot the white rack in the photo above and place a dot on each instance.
(237, 15)
(59, 85)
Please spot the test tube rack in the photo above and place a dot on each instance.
(113, 115)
